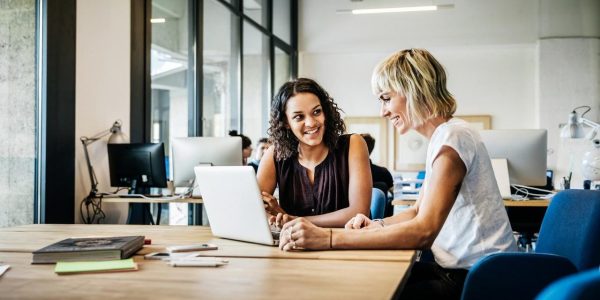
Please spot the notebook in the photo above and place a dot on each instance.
(234, 204)
(120, 265)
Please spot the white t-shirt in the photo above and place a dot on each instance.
(477, 224)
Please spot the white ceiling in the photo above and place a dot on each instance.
(469, 22)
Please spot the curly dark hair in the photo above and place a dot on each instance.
(286, 144)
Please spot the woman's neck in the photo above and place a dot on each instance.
(311, 156)
(427, 128)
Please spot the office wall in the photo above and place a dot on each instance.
(495, 80)
(102, 89)
(491, 49)
(17, 112)
(569, 76)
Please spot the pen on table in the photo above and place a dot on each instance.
(196, 263)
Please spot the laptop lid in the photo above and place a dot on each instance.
(234, 204)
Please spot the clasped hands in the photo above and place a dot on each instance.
(300, 233)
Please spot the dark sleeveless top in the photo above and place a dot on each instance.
(330, 190)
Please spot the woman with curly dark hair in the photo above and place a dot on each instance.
(321, 173)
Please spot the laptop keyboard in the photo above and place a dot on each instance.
(275, 234)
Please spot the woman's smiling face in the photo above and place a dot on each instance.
(305, 118)
(393, 107)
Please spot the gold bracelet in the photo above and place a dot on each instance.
(330, 238)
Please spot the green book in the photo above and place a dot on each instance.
(119, 265)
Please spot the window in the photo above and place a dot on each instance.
(256, 83)
(244, 48)
(221, 94)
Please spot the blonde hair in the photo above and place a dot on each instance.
(417, 75)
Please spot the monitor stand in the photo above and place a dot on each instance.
(139, 213)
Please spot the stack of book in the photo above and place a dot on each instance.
(89, 249)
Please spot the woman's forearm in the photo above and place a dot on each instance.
(407, 235)
(336, 219)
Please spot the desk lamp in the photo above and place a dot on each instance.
(574, 129)
(116, 137)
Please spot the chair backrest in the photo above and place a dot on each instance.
(581, 286)
(514, 275)
(571, 228)
(378, 202)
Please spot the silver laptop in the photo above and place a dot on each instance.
(234, 204)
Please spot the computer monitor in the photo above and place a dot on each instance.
(137, 166)
(525, 151)
(189, 152)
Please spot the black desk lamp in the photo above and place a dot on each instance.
(116, 137)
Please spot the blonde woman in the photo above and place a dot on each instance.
(459, 214)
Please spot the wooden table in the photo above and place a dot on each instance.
(254, 271)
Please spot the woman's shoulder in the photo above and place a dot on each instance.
(343, 141)
(457, 128)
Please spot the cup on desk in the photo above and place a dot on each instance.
(170, 190)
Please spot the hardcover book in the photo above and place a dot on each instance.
(89, 249)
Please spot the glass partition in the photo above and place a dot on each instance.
(281, 20)
(221, 97)
(255, 80)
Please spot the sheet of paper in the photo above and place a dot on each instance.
(500, 166)
(3, 269)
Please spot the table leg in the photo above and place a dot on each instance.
(139, 213)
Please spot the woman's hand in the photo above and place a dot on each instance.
(271, 204)
(301, 234)
(360, 221)
(280, 219)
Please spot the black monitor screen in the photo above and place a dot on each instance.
(137, 165)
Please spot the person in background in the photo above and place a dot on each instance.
(246, 146)
(262, 146)
(382, 178)
(459, 215)
(321, 173)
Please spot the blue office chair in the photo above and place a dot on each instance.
(568, 242)
(378, 202)
(571, 228)
(581, 286)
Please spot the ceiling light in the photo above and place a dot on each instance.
(394, 9)
(158, 20)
